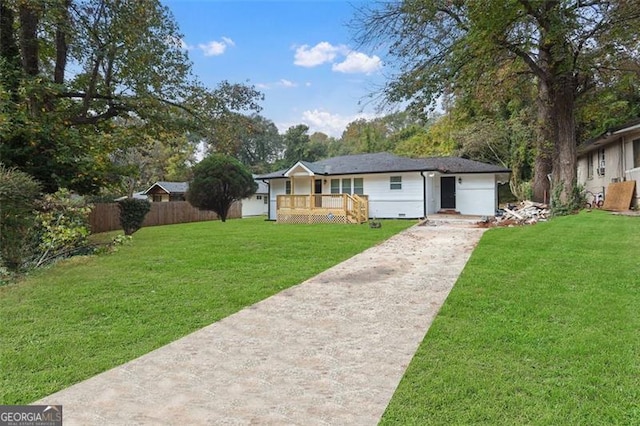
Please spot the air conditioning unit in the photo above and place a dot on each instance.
(601, 171)
(615, 180)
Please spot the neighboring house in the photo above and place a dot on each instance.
(354, 188)
(258, 204)
(137, 195)
(167, 191)
(611, 157)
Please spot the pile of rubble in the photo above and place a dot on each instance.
(525, 213)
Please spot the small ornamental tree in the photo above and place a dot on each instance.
(218, 181)
(132, 214)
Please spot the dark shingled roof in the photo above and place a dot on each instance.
(171, 187)
(384, 162)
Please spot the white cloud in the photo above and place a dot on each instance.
(343, 59)
(215, 48)
(228, 41)
(283, 82)
(287, 83)
(328, 123)
(357, 62)
(319, 54)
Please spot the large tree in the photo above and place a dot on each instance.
(218, 181)
(566, 45)
(296, 141)
(252, 139)
(70, 68)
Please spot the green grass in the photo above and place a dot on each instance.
(85, 315)
(542, 327)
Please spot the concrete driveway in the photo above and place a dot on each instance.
(329, 351)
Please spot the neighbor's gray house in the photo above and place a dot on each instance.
(612, 157)
(354, 188)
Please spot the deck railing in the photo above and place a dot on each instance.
(314, 208)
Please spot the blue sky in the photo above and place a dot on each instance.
(299, 53)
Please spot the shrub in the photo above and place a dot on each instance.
(18, 193)
(63, 226)
(218, 181)
(132, 214)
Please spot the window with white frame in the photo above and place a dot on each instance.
(395, 182)
(601, 163)
(346, 186)
(358, 186)
(335, 186)
(287, 187)
(590, 165)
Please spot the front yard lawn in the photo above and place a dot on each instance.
(88, 314)
(542, 327)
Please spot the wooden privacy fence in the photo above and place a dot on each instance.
(106, 216)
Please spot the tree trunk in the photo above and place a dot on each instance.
(29, 38)
(9, 52)
(544, 146)
(62, 30)
(564, 176)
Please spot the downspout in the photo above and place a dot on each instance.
(424, 195)
(268, 183)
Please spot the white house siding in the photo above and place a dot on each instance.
(432, 192)
(397, 203)
(277, 188)
(255, 205)
(476, 194)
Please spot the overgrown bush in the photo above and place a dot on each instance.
(132, 214)
(521, 190)
(574, 204)
(63, 227)
(18, 193)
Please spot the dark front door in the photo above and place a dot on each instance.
(317, 189)
(448, 192)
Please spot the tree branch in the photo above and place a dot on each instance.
(454, 16)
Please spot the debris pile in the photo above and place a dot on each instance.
(526, 213)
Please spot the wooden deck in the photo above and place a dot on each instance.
(322, 208)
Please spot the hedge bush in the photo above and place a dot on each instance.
(132, 214)
(18, 194)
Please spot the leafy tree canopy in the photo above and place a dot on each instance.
(218, 181)
(565, 49)
(81, 79)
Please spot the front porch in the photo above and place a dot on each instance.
(322, 208)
